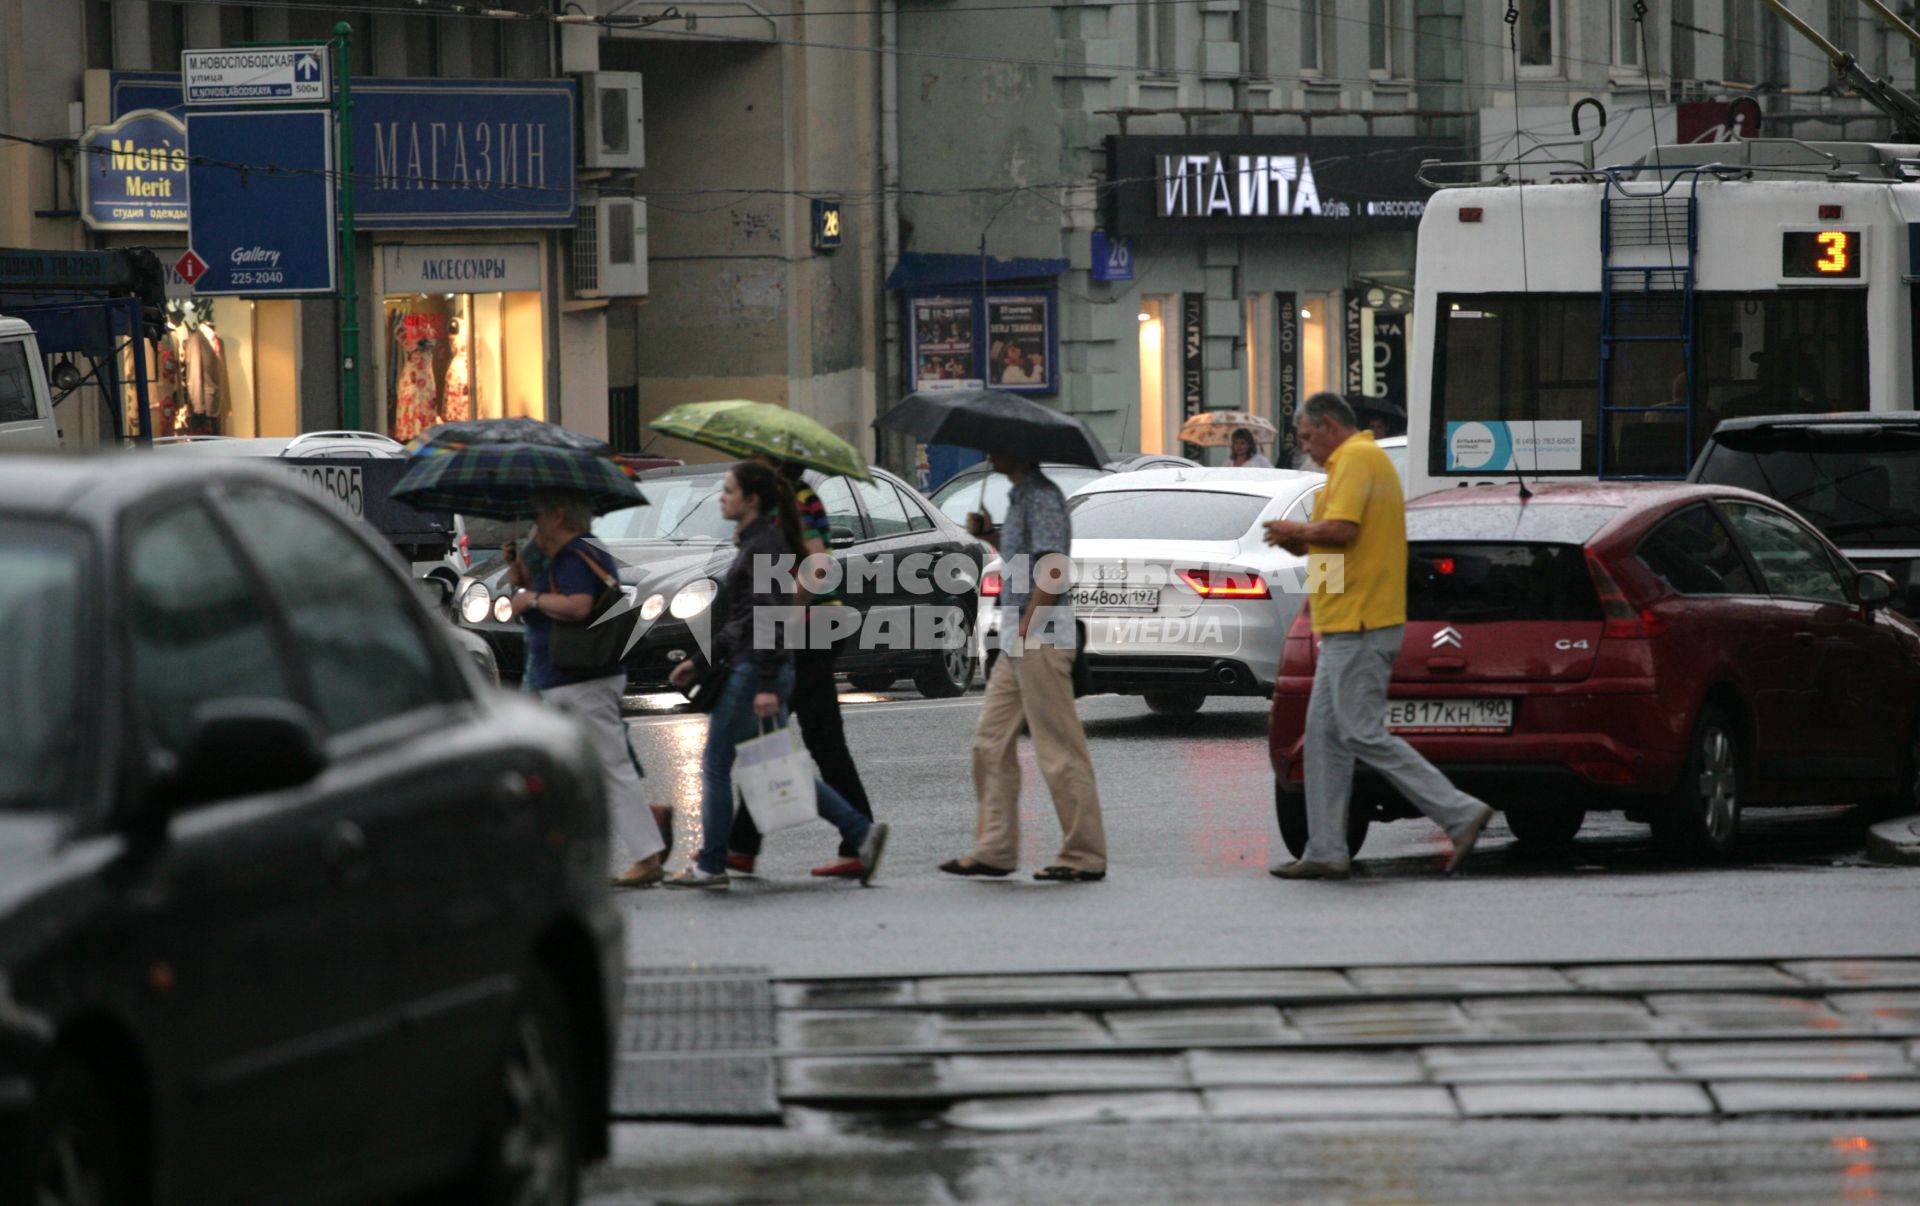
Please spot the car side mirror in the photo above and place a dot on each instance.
(436, 592)
(1875, 589)
(244, 747)
(838, 535)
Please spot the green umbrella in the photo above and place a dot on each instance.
(743, 429)
(498, 480)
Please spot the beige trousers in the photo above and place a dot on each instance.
(1035, 691)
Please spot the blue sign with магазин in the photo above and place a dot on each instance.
(439, 154)
(260, 188)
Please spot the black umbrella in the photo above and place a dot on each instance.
(997, 422)
(468, 433)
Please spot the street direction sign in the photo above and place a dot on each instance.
(260, 194)
(266, 75)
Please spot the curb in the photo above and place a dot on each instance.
(1896, 841)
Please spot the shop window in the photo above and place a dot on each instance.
(366, 657)
(1319, 343)
(198, 632)
(1258, 328)
(1153, 374)
(458, 356)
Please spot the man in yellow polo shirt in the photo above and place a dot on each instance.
(1358, 592)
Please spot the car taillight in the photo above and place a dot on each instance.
(1624, 621)
(1224, 584)
(991, 585)
(1302, 627)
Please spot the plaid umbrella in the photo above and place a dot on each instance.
(741, 428)
(450, 437)
(497, 481)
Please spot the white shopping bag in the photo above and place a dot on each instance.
(775, 778)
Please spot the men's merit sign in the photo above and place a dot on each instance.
(268, 75)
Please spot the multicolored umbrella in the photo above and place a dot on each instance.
(497, 481)
(1215, 428)
(743, 429)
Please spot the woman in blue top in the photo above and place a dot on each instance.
(576, 572)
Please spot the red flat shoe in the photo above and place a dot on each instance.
(740, 864)
(840, 868)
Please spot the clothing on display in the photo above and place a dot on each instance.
(415, 409)
(458, 406)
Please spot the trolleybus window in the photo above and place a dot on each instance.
(1528, 365)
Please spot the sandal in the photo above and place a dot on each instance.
(1069, 875)
(967, 867)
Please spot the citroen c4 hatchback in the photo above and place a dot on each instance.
(1677, 653)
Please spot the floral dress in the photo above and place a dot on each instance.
(413, 410)
(459, 400)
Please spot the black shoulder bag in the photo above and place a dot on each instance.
(581, 646)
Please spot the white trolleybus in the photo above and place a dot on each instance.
(1598, 323)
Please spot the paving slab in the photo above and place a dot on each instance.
(1023, 990)
(1253, 1069)
(843, 994)
(1886, 1010)
(1246, 1023)
(1458, 980)
(802, 1031)
(1817, 1097)
(1022, 1029)
(1058, 1074)
(1789, 1060)
(1598, 1098)
(1680, 977)
(1412, 1021)
(879, 1076)
(1074, 1109)
(1545, 1062)
(1276, 984)
(1697, 1012)
(1547, 1016)
(1855, 973)
(1320, 1104)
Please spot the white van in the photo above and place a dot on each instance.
(26, 409)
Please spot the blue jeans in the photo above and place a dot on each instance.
(732, 722)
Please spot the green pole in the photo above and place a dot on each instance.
(349, 292)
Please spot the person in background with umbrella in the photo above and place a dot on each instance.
(816, 695)
(1245, 453)
(565, 592)
(759, 677)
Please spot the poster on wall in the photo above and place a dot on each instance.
(1019, 342)
(1286, 377)
(942, 341)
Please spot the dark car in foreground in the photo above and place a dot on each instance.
(1677, 653)
(674, 551)
(1854, 475)
(292, 907)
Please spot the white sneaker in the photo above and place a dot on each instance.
(871, 850)
(694, 877)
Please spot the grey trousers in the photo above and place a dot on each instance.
(1347, 719)
(596, 702)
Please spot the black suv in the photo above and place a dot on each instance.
(1855, 475)
(292, 906)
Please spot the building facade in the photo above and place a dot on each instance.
(1214, 204)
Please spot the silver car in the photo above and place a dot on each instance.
(1177, 595)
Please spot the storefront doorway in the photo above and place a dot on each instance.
(463, 336)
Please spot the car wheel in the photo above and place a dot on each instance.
(871, 681)
(1905, 799)
(1545, 825)
(1175, 703)
(949, 672)
(530, 1150)
(73, 1150)
(1290, 808)
(1704, 814)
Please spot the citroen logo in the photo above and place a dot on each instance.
(1446, 638)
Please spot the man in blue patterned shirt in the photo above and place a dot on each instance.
(1032, 688)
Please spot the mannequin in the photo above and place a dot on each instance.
(413, 408)
(458, 404)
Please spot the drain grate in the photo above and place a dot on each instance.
(698, 1045)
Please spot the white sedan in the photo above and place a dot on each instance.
(1177, 594)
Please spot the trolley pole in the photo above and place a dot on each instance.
(349, 291)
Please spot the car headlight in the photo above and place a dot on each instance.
(694, 598)
(474, 603)
(503, 609)
(651, 609)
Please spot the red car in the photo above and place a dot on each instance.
(1677, 653)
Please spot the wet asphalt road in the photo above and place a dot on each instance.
(1188, 806)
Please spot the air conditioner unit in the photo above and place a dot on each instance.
(610, 248)
(612, 121)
